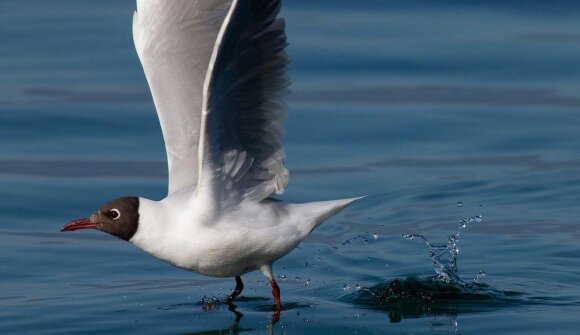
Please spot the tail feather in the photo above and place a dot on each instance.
(315, 213)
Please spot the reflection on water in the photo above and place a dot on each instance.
(413, 297)
(213, 304)
(233, 329)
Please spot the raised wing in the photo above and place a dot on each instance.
(241, 140)
(174, 40)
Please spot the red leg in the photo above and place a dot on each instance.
(276, 294)
(237, 290)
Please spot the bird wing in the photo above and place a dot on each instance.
(175, 40)
(243, 109)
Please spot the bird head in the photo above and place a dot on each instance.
(119, 218)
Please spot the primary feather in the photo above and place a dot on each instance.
(244, 106)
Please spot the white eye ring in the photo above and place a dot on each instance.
(117, 212)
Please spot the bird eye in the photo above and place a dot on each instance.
(114, 214)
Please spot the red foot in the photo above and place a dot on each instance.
(239, 288)
(276, 295)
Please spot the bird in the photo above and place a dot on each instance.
(217, 72)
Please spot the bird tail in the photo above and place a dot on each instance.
(314, 213)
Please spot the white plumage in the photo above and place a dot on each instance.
(217, 73)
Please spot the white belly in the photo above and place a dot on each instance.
(239, 242)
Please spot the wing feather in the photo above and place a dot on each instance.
(243, 108)
(175, 40)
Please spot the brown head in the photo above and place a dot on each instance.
(119, 217)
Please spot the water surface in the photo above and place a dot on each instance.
(439, 111)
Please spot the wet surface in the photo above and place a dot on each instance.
(459, 120)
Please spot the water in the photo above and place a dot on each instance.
(440, 111)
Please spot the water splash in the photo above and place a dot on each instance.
(480, 275)
(444, 256)
(366, 238)
(464, 222)
(444, 294)
(210, 303)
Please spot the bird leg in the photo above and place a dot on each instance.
(276, 294)
(237, 290)
(267, 271)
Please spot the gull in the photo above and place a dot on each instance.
(217, 73)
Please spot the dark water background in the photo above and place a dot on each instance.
(441, 111)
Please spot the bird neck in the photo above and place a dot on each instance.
(167, 225)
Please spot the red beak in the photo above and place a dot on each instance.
(83, 223)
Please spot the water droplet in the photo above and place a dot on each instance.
(453, 327)
(478, 218)
(282, 277)
(387, 265)
(365, 240)
(459, 204)
(308, 281)
(368, 258)
(357, 287)
(453, 238)
(346, 287)
(462, 223)
(297, 278)
(480, 275)
(376, 236)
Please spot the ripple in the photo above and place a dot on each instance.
(414, 297)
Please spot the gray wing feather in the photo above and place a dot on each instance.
(244, 106)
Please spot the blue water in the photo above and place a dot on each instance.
(441, 111)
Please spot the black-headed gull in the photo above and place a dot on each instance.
(217, 73)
